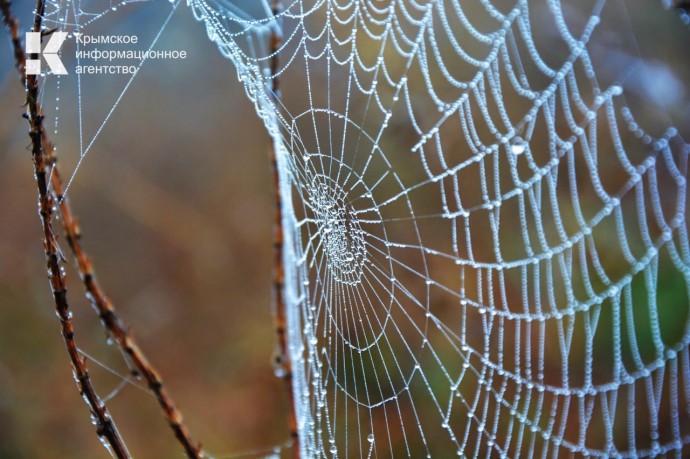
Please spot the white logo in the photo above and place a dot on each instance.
(33, 46)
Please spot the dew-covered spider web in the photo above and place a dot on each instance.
(484, 208)
(478, 229)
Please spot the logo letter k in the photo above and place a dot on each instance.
(33, 46)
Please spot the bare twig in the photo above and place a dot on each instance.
(105, 427)
(282, 356)
(116, 328)
(106, 310)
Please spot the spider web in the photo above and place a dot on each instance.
(478, 229)
(484, 209)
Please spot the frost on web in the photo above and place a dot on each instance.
(487, 252)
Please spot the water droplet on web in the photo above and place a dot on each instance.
(106, 444)
(518, 145)
(370, 438)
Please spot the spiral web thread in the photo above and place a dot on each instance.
(476, 231)
(486, 254)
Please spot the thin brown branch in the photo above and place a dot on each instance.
(283, 362)
(105, 427)
(105, 308)
(116, 328)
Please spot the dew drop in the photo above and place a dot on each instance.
(518, 145)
